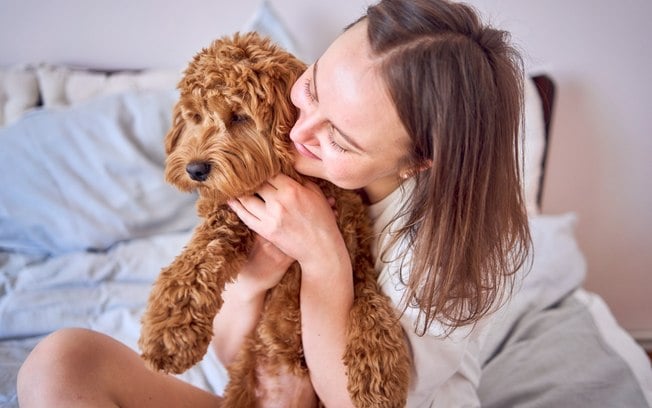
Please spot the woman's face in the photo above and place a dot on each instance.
(348, 131)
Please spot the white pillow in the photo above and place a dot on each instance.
(556, 267)
(18, 92)
(63, 86)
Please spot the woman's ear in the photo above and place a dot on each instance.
(414, 169)
(427, 164)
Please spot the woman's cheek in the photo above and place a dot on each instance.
(342, 174)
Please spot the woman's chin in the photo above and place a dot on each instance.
(304, 168)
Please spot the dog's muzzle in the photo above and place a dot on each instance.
(198, 171)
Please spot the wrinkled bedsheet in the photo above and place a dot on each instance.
(103, 291)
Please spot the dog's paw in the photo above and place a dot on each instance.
(174, 351)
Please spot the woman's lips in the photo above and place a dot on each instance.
(305, 152)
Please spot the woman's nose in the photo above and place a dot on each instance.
(306, 127)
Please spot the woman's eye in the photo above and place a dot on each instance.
(307, 90)
(337, 147)
(334, 144)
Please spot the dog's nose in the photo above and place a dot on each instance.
(198, 171)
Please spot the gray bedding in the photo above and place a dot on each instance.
(557, 357)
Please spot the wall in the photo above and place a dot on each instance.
(120, 34)
(598, 52)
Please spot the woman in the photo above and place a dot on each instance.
(418, 106)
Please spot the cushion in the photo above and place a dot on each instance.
(63, 86)
(89, 176)
(18, 92)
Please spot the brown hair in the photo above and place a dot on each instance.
(457, 86)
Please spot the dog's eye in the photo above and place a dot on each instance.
(193, 117)
(238, 118)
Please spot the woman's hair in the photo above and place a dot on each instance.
(458, 88)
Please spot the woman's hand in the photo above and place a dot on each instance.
(296, 218)
(265, 267)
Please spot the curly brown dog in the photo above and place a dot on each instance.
(229, 135)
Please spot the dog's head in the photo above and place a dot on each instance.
(231, 123)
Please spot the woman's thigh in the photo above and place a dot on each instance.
(79, 367)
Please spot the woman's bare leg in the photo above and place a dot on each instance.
(82, 368)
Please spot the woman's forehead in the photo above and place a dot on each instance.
(352, 92)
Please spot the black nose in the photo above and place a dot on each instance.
(198, 171)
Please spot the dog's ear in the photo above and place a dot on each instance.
(285, 112)
(173, 135)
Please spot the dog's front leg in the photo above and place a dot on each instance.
(377, 354)
(177, 325)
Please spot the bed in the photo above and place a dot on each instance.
(87, 222)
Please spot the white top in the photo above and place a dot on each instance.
(446, 369)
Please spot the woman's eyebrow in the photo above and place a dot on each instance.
(314, 78)
(344, 136)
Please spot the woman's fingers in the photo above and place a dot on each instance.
(279, 180)
(265, 192)
(247, 208)
(289, 214)
(258, 211)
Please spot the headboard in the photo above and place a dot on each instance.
(546, 88)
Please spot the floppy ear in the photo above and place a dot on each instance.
(284, 112)
(173, 135)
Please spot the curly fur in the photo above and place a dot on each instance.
(230, 134)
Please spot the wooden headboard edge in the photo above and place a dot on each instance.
(546, 88)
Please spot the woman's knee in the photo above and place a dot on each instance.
(79, 367)
(60, 361)
(59, 351)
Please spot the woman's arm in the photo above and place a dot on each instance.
(299, 220)
(326, 299)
